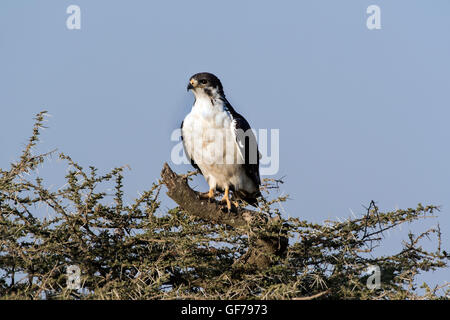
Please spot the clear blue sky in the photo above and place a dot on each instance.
(363, 114)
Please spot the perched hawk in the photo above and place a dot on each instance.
(220, 142)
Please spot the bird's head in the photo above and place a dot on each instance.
(205, 84)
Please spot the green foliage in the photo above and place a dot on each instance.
(133, 251)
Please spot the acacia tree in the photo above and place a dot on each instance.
(193, 251)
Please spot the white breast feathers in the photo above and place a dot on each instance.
(209, 139)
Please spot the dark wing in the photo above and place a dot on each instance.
(247, 144)
(187, 153)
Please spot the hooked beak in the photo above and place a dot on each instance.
(192, 84)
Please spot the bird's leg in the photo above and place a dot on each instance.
(207, 195)
(211, 194)
(227, 198)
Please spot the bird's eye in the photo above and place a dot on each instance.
(203, 81)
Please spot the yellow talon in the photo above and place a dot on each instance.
(226, 198)
(207, 195)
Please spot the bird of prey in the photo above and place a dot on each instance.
(220, 143)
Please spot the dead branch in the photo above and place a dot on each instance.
(188, 199)
(313, 296)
